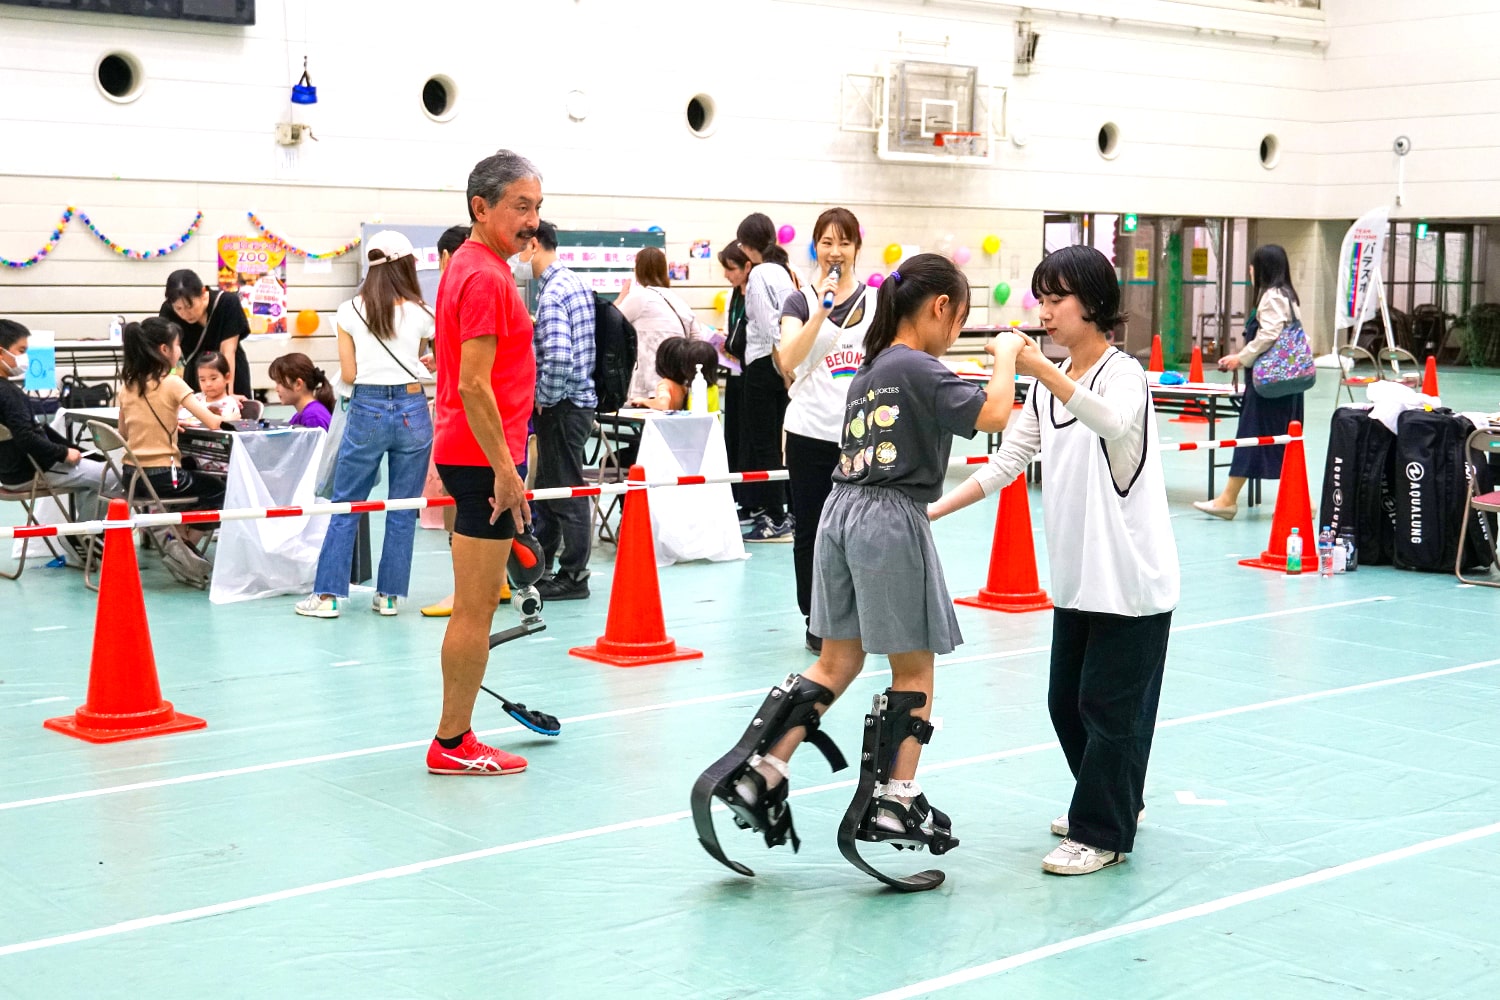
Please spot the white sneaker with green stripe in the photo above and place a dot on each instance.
(384, 605)
(318, 606)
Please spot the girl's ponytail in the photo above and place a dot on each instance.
(906, 290)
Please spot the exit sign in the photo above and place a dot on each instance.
(1128, 222)
(1421, 230)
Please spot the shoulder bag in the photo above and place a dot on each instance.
(1286, 367)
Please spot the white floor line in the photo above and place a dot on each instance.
(1186, 913)
(279, 765)
(249, 902)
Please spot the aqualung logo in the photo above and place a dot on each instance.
(1414, 473)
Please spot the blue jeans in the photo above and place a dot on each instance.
(383, 422)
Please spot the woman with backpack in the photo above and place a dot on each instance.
(381, 334)
(1275, 309)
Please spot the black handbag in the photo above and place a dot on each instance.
(73, 393)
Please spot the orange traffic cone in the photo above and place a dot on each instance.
(1195, 367)
(1012, 584)
(634, 634)
(1293, 510)
(1429, 377)
(124, 699)
(1156, 364)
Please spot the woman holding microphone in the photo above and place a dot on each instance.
(822, 345)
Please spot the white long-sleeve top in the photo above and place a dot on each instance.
(1104, 499)
(1273, 313)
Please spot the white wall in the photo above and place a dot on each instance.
(1425, 70)
(1193, 85)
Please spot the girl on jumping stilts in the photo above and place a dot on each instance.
(877, 584)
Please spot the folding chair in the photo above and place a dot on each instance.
(1347, 378)
(1396, 357)
(136, 490)
(604, 468)
(28, 496)
(1484, 442)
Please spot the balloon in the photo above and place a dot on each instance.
(991, 244)
(893, 253)
(1002, 293)
(655, 229)
(785, 235)
(1015, 322)
(721, 300)
(962, 255)
(307, 323)
(1028, 301)
(875, 279)
(812, 250)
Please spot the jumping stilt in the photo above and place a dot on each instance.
(791, 704)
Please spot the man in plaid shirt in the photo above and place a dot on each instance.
(565, 402)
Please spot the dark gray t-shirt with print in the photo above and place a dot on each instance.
(903, 410)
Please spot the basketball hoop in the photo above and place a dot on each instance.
(958, 143)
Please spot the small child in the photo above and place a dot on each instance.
(213, 381)
(304, 386)
(677, 362)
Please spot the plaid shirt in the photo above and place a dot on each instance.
(564, 340)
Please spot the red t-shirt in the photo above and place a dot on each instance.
(478, 298)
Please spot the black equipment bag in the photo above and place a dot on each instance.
(614, 355)
(1358, 484)
(75, 394)
(1432, 477)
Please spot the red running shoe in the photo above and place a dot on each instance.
(472, 757)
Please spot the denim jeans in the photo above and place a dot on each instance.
(383, 422)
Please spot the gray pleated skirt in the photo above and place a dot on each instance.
(876, 575)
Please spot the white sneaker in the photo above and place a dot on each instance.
(1072, 858)
(1060, 825)
(384, 605)
(318, 606)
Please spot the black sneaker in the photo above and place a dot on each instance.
(814, 644)
(564, 587)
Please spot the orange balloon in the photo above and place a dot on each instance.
(307, 323)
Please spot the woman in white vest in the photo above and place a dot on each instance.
(1110, 547)
(822, 346)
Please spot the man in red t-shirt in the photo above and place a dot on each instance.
(486, 379)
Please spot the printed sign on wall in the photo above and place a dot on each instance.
(255, 270)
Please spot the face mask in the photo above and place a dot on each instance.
(17, 364)
(522, 269)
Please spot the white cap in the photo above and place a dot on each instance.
(390, 245)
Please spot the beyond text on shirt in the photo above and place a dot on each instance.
(478, 298)
(816, 408)
(373, 363)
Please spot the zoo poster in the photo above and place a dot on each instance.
(255, 270)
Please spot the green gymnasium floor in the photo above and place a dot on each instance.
(1322, 809)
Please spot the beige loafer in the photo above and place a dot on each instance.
(1222, 513)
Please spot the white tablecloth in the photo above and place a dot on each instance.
(690, 522)
(264, 558)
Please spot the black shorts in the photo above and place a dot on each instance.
(472, 488)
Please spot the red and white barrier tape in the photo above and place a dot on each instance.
(191, 517)
(1252, 442)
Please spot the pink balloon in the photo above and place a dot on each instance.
(1028, 301)
(875, 279)
(785, 235)
(962, 255)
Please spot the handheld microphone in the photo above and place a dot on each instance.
(835, 273)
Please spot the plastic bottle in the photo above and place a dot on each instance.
(698, 393)
(1325, 551)
(1294, 552)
